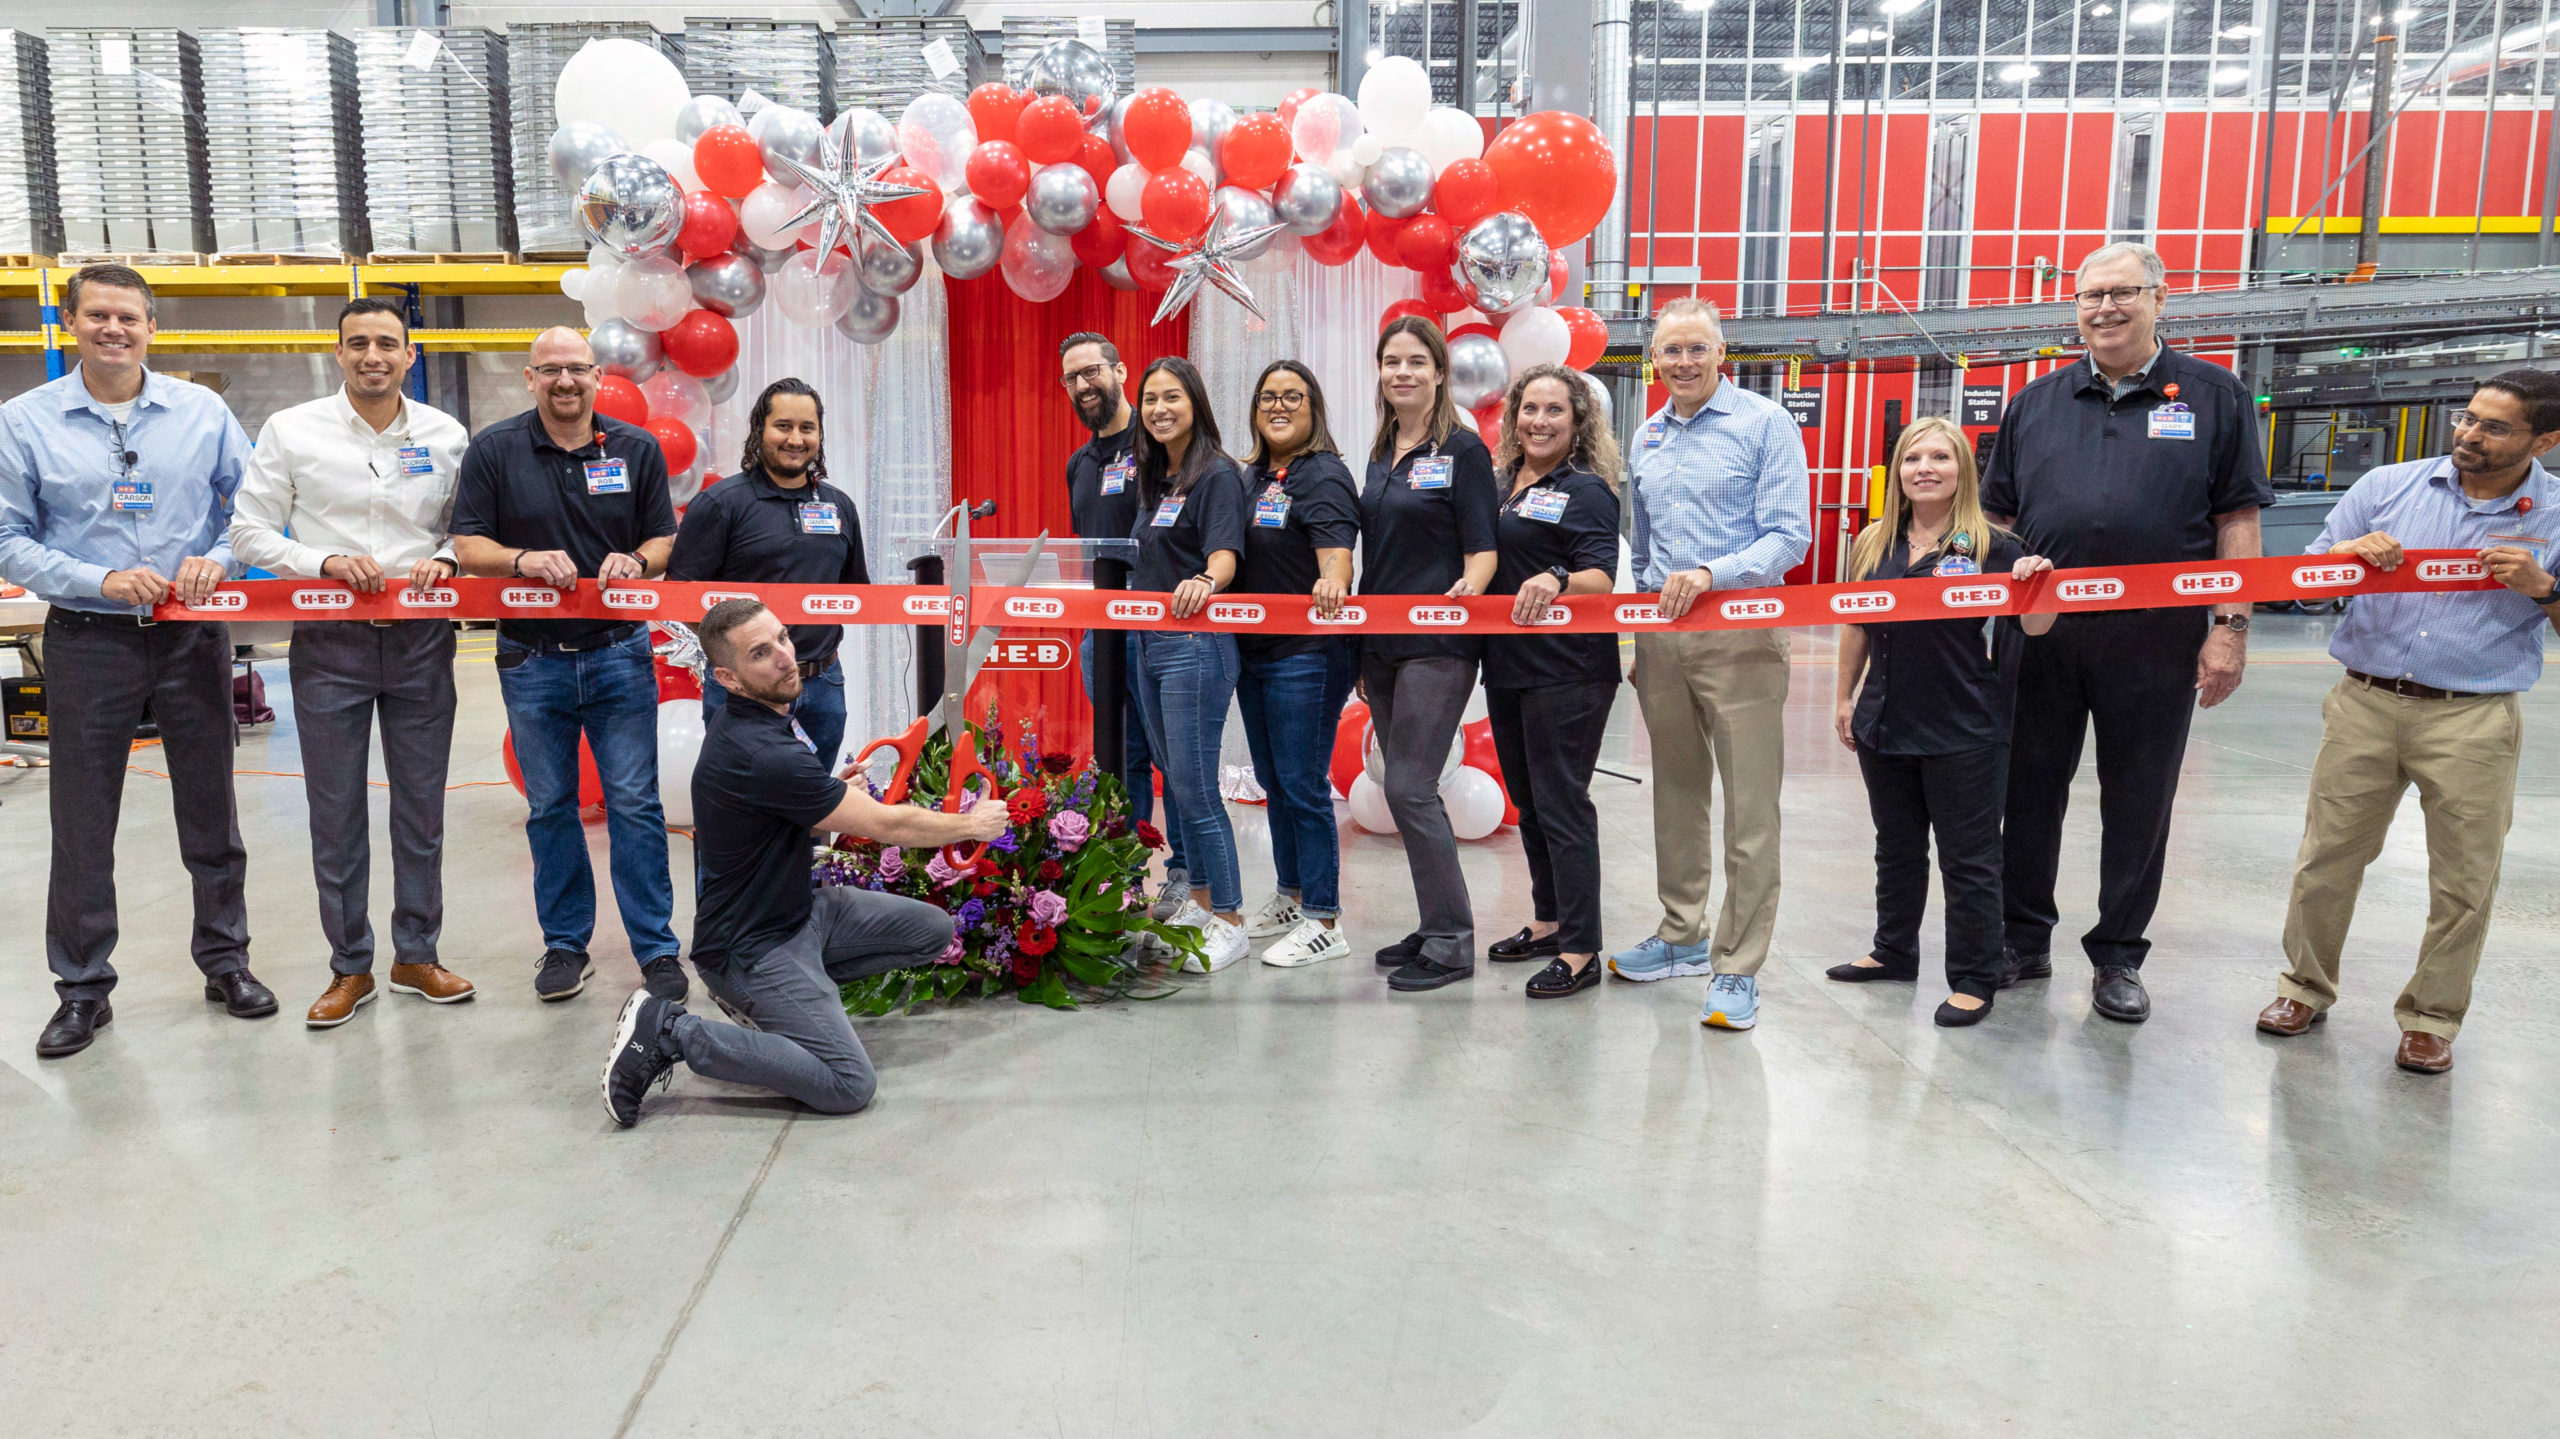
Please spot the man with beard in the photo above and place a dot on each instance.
(1102, 497)
(2430, 698)
(771, 948)
(551, 496)
(780, 522)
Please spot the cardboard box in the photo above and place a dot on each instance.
(22, 703)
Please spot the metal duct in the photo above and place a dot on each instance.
(1611, 68)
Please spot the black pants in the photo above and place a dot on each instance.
(2134, 673)
(1548, 739)
(100, 672)
(1959, 796)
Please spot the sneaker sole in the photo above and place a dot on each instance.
(1685, 969)
(1441, 982)
(584, 975)
(623, 1028)
(435, 999)
(1301, 961)
(366, 998)
(1717, 1019)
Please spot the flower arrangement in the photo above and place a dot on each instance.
(1052, 907)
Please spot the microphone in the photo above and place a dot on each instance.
(131, 459)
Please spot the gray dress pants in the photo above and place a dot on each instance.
(345, 672)
(1415, 706)
(803, 1045)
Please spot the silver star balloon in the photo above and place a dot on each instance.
(1211, 260)
(846, 190)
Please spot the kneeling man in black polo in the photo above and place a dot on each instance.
(770, 947)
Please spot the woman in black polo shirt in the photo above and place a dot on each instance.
(1426, 528)
(1549, 695)
(1190, 531)
(1930, 725)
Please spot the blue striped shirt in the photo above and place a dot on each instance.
(61, 532)
(2475, 641)
(1725, 488)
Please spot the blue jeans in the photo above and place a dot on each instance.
(1137, 768)
(1187, 681)
(820, 710)
(1291, 706)
(611, 695)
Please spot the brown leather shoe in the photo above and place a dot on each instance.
(337, 1004)
(2422, 1053)
(431, 982)
(2289, 1017)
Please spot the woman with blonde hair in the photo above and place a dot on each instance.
(1930, 723)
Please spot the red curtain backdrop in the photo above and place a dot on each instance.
(1012, 429)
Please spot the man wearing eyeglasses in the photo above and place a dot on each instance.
(358, 487)
(1102, 498)
(2135, 455)
(115, 494)
(553, 496)
(2430, 698)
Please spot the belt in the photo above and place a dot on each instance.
(811, 669)
(2410, 689)
(97, 617)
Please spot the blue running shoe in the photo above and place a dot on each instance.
(1733, 1002)
(1659, 958)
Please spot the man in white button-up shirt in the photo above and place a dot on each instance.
(358, 487)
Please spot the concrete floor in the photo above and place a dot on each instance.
(1286, 1202)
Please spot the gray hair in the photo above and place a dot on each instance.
(2154, 273)
(1689, 307)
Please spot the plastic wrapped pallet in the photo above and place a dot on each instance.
(883, 64)
(536, 53)
(283, 141)
(790, 62)
(438, 175)
(30, 205)
(129, 140)
(1025, 34)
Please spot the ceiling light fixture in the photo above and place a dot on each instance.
(1801, 64)
(2019, 74)
(2146, 14)
(2231, 74)
(2241, 32)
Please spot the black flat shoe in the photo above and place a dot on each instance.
(1855, 973)
(2116, 992)
(1559, 979)
(1523, 945)
(2025, 967)
(72, 1027)
(1428, 974)
(241, 995)
(1401, 953)
(1951, 1016)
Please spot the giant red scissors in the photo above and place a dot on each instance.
(966, 769)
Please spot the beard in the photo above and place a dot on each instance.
(1097, 405)
(779, 695)
(786, 469)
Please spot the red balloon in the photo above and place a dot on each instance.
(1338, 242)
(1488, 331)
(619, 399)
(1175, 203)
(996, 109)
(999, 175)
(1439, 290)
(1557, 275)
(1556, 169)
(1402, 308)
(1590, 336)
(675, 441)
(1051, 132)
(710, 226)
(1098, 161)
(914, 217)
(1426, 243)
(1383, 231)
(1489, 424)
(1149, 265)
(1296, 98)
(590, 783)
(701, 344)
(675, 682)
(728, 161)
(1348, 734)
(1465, 193)
(1156, 127)
(1256, 151)
(1103, 241)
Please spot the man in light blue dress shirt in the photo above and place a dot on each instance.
(115, 494)
(2429, 698)
(1722, 502)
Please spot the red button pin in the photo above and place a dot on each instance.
(2170, 389)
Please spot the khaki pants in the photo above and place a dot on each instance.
(1716, 701)
(2461, 753)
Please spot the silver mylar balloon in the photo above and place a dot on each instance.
(578, 147)
(1119, 115)
(870, 319)
(1399, 184)
(1210, 122)
(631, 206)
(625, 349)
(1062, 199)
(969, 240)
(1117, 276)
(1478, 370)
(766, 260)
(786, 131)
(884, 268)
(703, 112)
(1307, 199)
(1505, 258)
(1079, 72)
(867, 135)
(1246, 210)
(729, 285)
(721, 386)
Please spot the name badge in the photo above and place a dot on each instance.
(608, 477)
(1168, 512)
(2533, 545)
(1547, 505)
(820, 519)
(1271, 508)
(131, 495)
(1431, 473)
(416, 460)
(1652, 434)
(2173, 421)
(1957, 565)
(1115, 476)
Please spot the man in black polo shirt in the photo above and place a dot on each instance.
(1102, 498)
(780, 522)
(553, 495)
(2137, 455)
(771, 949)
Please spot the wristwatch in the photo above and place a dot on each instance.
(1564, 577)
(2237, 624)
(2550, 596)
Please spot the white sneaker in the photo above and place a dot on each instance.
(1279, 915)
(1309, 943)
(1190, 915)
(1226, 945)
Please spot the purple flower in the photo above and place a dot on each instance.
(1070, 829)
(893, 864)
(1006, 843)
(1048, 908)
(969, 914)
(940, 870)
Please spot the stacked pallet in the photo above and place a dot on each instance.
(284, 142)
(438, 176)
(129, 140)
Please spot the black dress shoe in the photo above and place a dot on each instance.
(1559, 979)
(1428, 974)
(1401, 953)
(241, 995)
(1955, 1016)
(2117, 993)
(2026, 966)
(72, 1027)
(1524, 945)
(1855, 973)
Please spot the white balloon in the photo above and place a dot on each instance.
(653, 293)
(1600, 393)
(1373, 762)
(809, 295)
(1326, 126)
(679, 746)
(573, 282)
(676, 158)
(678, 396)
(1449, 136)
(1369, 807)
(1346, 172)
(1128, 184)
(936, 135)
(767, 206)
(630, 88)
(1474, 802)
(1395, 95)
(1366, 150)
(599, 306)
(1199, 163)
(1536, 336)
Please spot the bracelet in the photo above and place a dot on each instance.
(515, 567)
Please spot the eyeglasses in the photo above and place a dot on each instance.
(1702, 354)
(1089, 377)
(2119, 296)
(1280, 400)
(2489, 429)
(574, 372)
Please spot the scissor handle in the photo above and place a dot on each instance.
(966, 766)
(909, 744)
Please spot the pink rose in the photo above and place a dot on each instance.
(941, 871)
(893, 864)
(1070, 829)
(1048, 908)
(951, 952)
